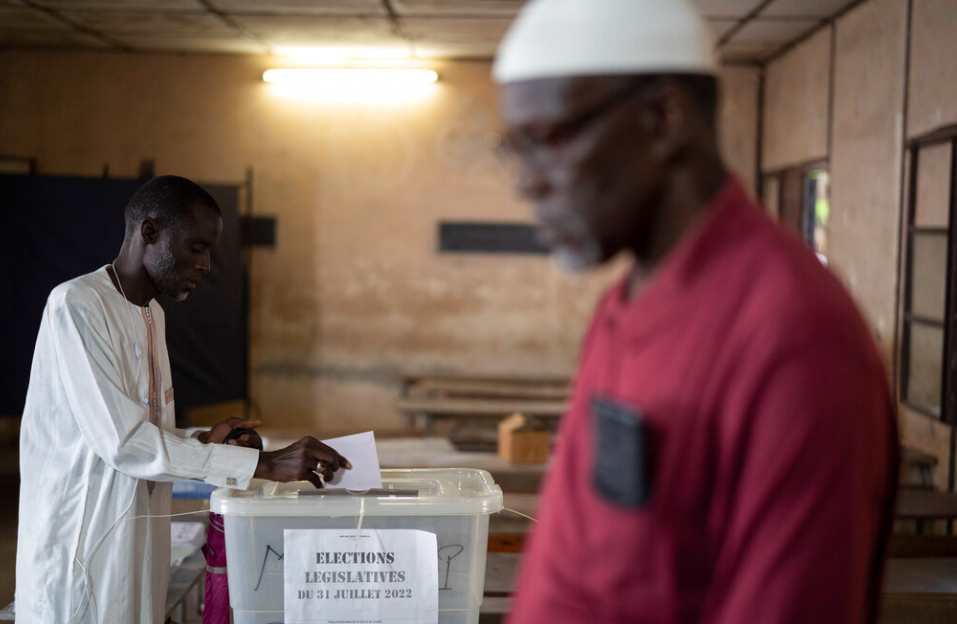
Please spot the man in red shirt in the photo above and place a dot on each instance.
(730, 454)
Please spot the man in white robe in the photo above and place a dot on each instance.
(99, 449)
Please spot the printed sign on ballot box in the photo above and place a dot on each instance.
(384, 576)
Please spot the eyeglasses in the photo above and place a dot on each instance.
(544, 148)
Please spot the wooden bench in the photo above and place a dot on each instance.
(464, 397)
(921, 506)
(926, 505)
(432, 409)
(917, 469)
(915, 590)
(917, 546)
(411, 378)
(473, 388)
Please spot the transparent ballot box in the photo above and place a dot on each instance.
(452, 503)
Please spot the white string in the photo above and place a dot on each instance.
(88, 580)
(185, 513)
(362, 514)
(518, 513)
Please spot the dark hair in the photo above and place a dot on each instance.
(168, 200)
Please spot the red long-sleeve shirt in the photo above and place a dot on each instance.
(773, 453)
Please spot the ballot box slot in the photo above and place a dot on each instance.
(375, 493)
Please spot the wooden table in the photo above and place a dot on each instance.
(930, 576)
(463, 409)
(500, 569)
(920, 590)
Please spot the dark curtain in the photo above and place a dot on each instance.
(57, 228)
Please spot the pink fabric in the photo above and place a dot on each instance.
(216, 604)
(774, 450)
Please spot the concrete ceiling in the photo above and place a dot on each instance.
(746, 30)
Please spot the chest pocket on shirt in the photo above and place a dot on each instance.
(623, 463)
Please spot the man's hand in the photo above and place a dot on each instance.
(300, 461)
(218, 433)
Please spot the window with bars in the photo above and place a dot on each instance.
(929, 338)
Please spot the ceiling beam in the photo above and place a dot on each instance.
(726, 37)
(824, 24)
(394, 22)
(238, 28)
(80, 28)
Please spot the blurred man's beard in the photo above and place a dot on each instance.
(577, 260)
(163, 273)
(581, 256)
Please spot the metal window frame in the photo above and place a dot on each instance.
(948, 388)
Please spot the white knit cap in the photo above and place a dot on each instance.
(603, 37)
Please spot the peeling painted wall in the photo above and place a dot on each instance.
(354, 290)
(796, 101)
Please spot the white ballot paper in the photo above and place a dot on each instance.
(359, 449)
(388, 575)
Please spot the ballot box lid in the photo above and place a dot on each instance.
(415, 492)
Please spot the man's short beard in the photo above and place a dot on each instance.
(163, 272)
(577, 260)
(583, 256)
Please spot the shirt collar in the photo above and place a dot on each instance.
(721, 226)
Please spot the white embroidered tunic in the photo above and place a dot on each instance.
(99, 449)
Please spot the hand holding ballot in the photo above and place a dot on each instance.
(361, 448)
(300, 461)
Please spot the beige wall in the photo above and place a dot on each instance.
(865, 162)
(796, 94)
(354, 290)
(931, 105)
(866, 148)
(932, 100)
(738, 126)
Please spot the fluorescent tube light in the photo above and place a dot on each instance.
(352, 84)
(351, 77)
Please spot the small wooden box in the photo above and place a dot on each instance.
(522, 440)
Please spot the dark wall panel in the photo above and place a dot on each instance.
(496, 238)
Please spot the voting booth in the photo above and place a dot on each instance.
(414, 549)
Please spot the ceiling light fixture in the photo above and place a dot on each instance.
(352, 84)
